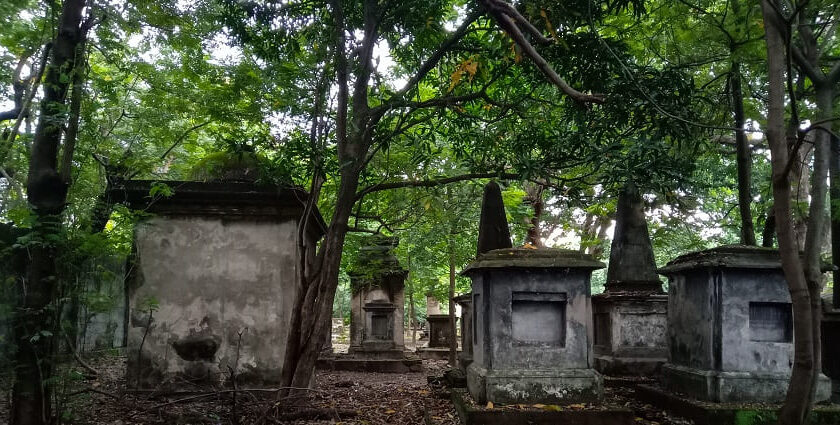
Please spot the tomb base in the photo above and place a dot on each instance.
(630, 331)
(628, 366)
(434, 353)
(706, 413)
(352, 363)
(471, 414)
(548, 386)
(726, 387)
(376, 352)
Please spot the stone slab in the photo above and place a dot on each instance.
(472, 415)
(726, 387)
(706, 413)
(404, 365)
(431, 353)
(547, 386)
(628, 366)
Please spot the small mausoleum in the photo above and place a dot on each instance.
(532, 327)
(213, 279)
(376, 311)
(730, 326)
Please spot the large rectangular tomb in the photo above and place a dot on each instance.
(532, 333)
(730, 326)
(213, 280)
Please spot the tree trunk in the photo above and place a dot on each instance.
(75, 110)
(744, 160)
(316, 298)
(769, 233)
(798, 399)
(453, 341)
(534, 196)
(412, 321)
(35, 321)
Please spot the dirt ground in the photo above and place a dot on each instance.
(338, 398)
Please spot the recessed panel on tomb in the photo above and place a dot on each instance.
(539, 319)
(379, 326)
(771, 322)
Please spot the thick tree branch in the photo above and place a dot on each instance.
(813, 73)
(434, 182)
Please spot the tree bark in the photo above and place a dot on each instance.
(534, 196)
(412, 321)
(768, 235)
(453, 341)
(743, 157)
(75, 110)
(35, 322)
(798, 398)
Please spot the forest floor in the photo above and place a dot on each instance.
(338, 398)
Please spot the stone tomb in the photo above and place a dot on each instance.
(440, 333)
(376, 310)
(631, 315)
(466, 355)
(532, 334)
(216, 260)
(730, 327)
(440, 330)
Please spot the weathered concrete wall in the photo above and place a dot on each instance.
(211, 279)
(630, 333)
(691, 320)
(730, 326)
(741, 348)
(503, 350)
(532, 327)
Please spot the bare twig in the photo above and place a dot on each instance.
(78, 357)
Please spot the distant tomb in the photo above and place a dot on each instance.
(531, 327)
(631, 314)
(214, 259)
(376, 309)
(440, 330)
(730, 326)
(432, 305)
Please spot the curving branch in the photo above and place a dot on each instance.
(500, 10)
